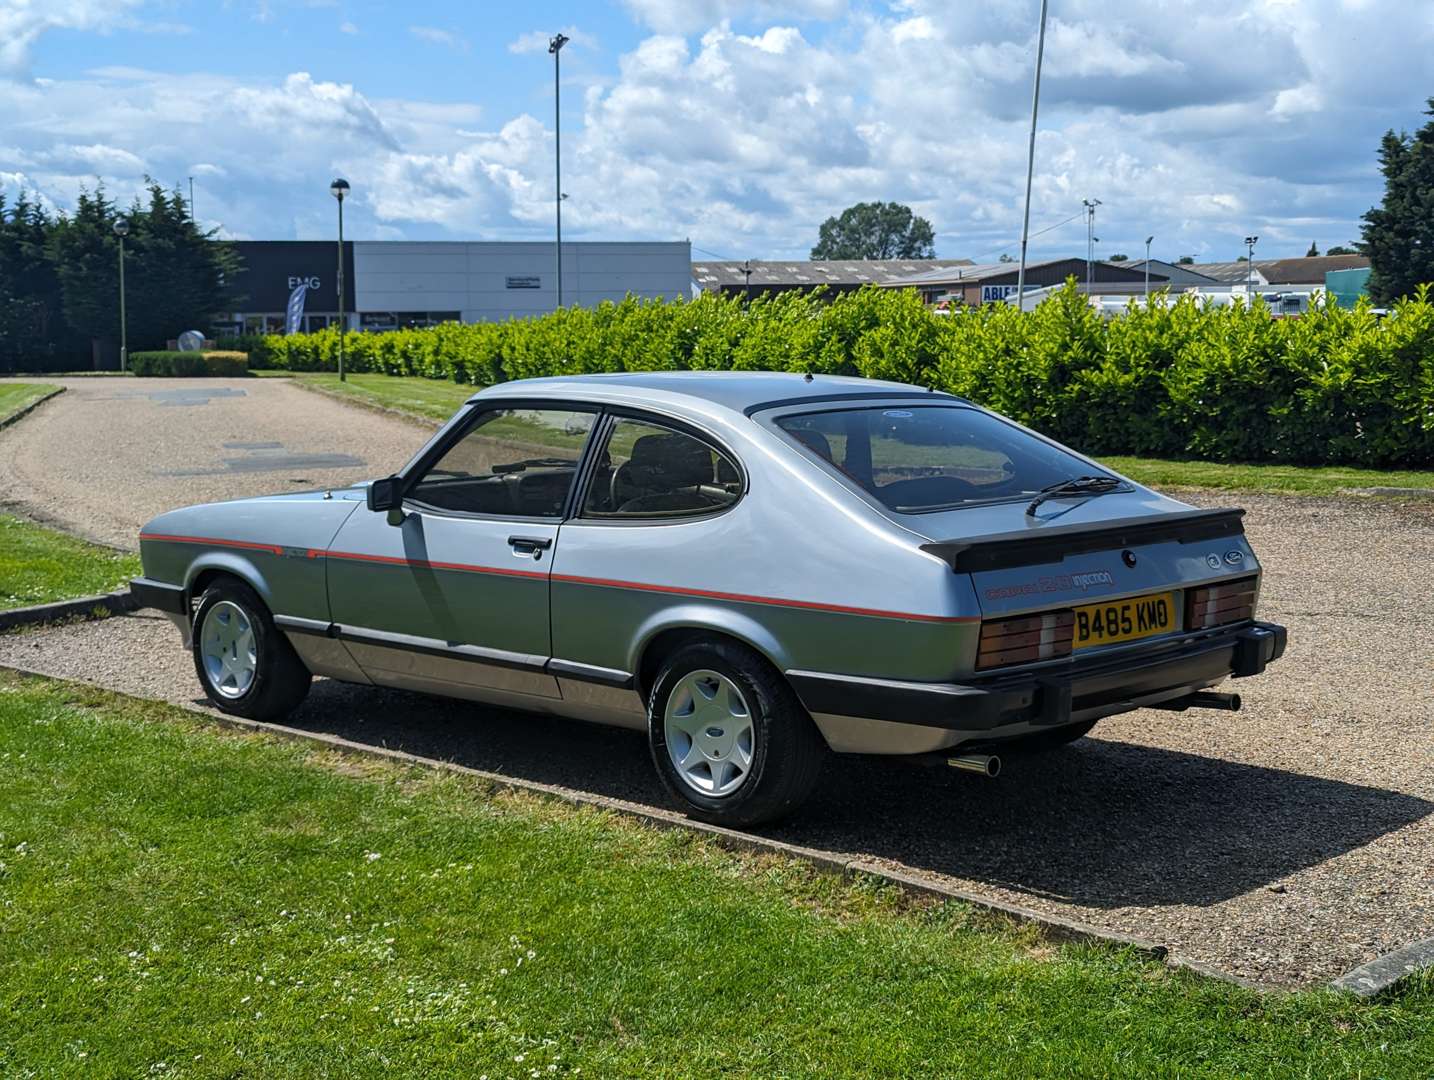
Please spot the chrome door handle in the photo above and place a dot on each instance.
(529, 545)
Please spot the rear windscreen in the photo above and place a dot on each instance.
(933, 457)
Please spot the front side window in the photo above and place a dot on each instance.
(922, 457)
(510, 462)
(646, 470)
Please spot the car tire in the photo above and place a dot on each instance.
(708, 699)
(245, 664)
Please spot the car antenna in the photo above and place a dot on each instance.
(807, 377)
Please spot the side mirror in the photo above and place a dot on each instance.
(386, 494)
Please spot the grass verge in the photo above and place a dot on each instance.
(17, 396)
(181, 900)
(1264, 479)
(39, 565)
(433, 400)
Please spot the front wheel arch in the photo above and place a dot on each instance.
(210, 566)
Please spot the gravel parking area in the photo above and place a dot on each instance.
(110, 453)
(1286, 843)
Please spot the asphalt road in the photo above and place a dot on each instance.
(110, 453)
(1286, 843)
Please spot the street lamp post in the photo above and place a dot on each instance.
(1031, 163)
(122, 230)
(555, 46)
(1090, 205)
(746, 284)
(339, 188)
(1250, 242)
(1147, 269)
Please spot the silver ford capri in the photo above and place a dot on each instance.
(753, 568)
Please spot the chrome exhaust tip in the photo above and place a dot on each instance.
(988, 765)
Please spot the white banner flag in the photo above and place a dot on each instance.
(296, 308)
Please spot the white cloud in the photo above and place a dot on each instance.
(347, 27)
(435, 35)
(22, 22)
(300, 106)
(97, 158)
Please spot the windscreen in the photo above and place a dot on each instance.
(933, 457)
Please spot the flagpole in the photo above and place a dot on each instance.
(1031, 163)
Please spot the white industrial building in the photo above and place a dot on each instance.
(392, 284)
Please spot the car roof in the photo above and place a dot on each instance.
(740, 391)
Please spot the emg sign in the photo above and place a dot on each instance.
(311, 281)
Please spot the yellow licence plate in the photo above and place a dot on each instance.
(1124, 620)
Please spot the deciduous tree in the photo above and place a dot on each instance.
(876, 230)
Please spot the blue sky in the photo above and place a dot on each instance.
(739, 124)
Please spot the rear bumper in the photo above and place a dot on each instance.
(1073, 692)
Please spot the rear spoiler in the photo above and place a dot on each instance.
(1035, 546)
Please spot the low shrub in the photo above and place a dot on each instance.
(189, 364)
(1174, 379)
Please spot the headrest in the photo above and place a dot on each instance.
(816, 440)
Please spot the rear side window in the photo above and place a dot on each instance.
(646, 470)
(933, 457)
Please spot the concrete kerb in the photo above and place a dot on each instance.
(84, 607)
(20, 414)
(1387, 971)
(1053, 927)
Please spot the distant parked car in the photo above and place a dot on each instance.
(753, 569)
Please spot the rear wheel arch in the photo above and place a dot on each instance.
(658, 646)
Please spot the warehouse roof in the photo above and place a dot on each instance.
(977, 272)
(712, 276)
(1305, 271)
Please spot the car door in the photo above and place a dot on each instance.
(454, 599)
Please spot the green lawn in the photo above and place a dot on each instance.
(38, 565)
(182, 900)
(428, 399)
(1271, 479)
(15, 396)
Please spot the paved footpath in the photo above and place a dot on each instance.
(110, 453)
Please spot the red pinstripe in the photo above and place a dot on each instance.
(390, 560)
(246, 545)
(575, 579)
(743, 598)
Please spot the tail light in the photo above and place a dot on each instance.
(1216, 605)
(1026, 639)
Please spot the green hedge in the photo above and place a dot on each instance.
(1178, 379)
(214, 362)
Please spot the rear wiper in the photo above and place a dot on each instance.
(1077, 485)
